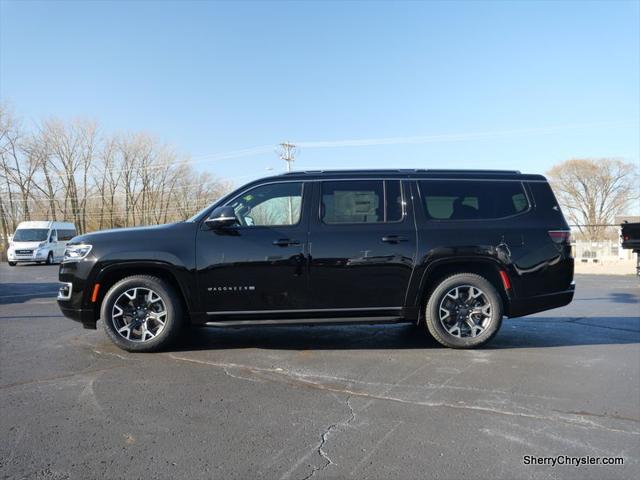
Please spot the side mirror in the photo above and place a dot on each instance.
(222, 217)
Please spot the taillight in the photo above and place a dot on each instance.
(560, 236)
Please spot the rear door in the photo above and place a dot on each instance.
(362, 245)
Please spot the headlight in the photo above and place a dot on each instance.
(73, 253)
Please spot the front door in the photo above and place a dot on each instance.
(362, 245)
(260, 264)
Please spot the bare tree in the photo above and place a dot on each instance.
(66, 171)
(7, 127)
(70, 154)
(592, 191)
(18, 166)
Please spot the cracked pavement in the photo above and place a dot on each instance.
(376, 402)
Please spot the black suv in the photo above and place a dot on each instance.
(451, 251)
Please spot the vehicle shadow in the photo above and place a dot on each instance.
(616, 297)
(534, 332)
(13, 293)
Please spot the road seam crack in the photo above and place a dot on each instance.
(324, 438)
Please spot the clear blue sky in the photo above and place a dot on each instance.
(544, 81)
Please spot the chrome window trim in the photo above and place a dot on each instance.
(222, 201)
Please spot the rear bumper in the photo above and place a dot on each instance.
(519, 307)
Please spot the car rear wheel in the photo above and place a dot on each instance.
(142, 314)
(464, 311)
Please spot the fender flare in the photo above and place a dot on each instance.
(423, 282)
(180, 275)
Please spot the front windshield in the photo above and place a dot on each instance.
(31, 235)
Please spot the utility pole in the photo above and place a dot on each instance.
(287, 153)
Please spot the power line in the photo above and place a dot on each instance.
(210, 182)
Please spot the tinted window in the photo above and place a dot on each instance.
(66, 235)
(269, 205)
(465, 200)
(361, 201)
(544, 198)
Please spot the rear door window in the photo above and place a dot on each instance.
(361, 201)
(472, 199)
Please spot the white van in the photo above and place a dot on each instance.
(41, 242)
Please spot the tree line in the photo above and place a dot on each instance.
(71, 171)
(592, 191)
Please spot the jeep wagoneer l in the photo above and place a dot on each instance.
(451, 251)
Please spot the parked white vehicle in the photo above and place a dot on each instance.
(41, 242)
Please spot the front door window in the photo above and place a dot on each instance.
(270, 205)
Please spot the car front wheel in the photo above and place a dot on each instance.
(464, 311)
(142, 313)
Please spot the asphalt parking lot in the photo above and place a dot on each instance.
(377, 402)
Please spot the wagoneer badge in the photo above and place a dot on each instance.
(232, 288)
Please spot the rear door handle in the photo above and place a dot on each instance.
(394, 239)
(285, 242)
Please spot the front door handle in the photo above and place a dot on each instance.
(394, 239)
(285, 242)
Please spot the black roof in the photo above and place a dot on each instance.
(414, 173)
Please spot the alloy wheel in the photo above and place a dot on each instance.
(139, 314)
(465, 311)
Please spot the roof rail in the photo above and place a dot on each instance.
(405, 170)
(362, 170)
(493, 172)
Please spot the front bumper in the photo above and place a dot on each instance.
(73, 297)
(519, 307)
(85, 316)
(36, 256)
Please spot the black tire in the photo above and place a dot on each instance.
(12, 264)
(174, 313)
(463, 280)
(50, 259)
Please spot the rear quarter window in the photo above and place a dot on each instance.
(543, 197)
(472, 199)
